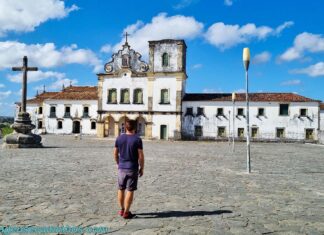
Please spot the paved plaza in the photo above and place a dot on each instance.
(187, 188)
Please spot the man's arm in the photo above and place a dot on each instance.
(141, 161)
(116, 155)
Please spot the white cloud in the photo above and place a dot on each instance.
(314, 70)
(183, 4)
(35, 76)
(107, 48)
(4, 94)
(228, 2)
(24, 16)
(211, 90)
(225, 36)
(46, 55)
(161, 27)
(197, 66)
(304, 42)
(2, 85)
(291, 83)
(283, 26)
(261, 58)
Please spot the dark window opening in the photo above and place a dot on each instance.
(240, 132)
(93, 125)
(40, 110)
(221, 132)
(165, 60)
(240, 112)
(309, 134)
(280, 132)
(200, 111)
(59, 125)
(220, 112)
(284, 110)
(52, 112)
(85, 112)
(189, 111)
(67, 112)
(125, 61)
(261, 112)
(138, 96)
(303, 112)
(254, 132)
(40, 124)
(198, 131)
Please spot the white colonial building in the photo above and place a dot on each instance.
(154, 95)
(272, 116)
(72, 110)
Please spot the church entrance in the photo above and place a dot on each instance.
(76, 127)
(109, 127)
(121, 125)
(140, 130)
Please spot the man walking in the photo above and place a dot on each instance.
(129, 156)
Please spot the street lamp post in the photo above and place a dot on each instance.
(246, 62)
(233, 99)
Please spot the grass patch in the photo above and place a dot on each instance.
(6, 130)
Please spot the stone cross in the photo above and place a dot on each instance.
(126, 35)
(24, 69)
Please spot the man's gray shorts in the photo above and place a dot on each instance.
(127, 179)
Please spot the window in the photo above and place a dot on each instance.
(240, 132)
(303, 112)
(284, 110)
(93, 125)
(125, 61)
(138, 96)
(309, 134)
(124, 96)
(85, 112)
(280, 132)
(67, 112)
(52, 112)
(254, 131)
(200, 111)
(165, 96)
(189, 111)
(40, 124)
(221, 132)
(112, 96)
(40, 110)
(220, 112)
(59, 125)
(165, 60)
(261, 112)
(198, 131)
(240, 112)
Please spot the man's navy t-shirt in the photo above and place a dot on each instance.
(128, 146)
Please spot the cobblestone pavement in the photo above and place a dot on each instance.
(187, 188)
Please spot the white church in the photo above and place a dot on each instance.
(154, 94)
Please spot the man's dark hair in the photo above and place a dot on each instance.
(130, 125)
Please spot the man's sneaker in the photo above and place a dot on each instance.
(121, 212)
(128, 215)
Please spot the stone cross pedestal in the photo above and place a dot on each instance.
(22, 136)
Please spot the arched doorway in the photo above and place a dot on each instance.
(76, 127)
(109, 126)
(140, 130)
(121, 125)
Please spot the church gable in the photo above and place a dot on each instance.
(126, 59)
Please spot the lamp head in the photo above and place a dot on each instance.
(233, 96)
(246, 58)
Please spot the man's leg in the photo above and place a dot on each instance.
(121, 198)
(128, 200)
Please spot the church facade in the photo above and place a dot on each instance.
(149, 93)
(154, 94)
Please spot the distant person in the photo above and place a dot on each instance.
(129, 156)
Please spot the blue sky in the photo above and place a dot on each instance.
(71, 40)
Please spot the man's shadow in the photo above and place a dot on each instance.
(167, 214)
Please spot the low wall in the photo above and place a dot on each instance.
(321, 137)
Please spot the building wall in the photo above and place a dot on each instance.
(322, 120)
(76, 111)
(293, 125)
(161, 119)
